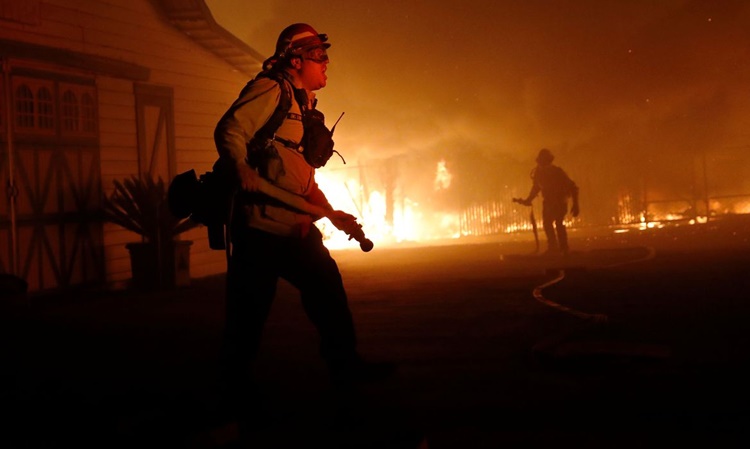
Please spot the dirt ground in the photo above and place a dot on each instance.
(638, 339)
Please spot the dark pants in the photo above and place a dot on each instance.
(258, 260)
(553, 216)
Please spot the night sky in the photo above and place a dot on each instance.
(614, 88)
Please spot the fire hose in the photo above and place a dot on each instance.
(532, 218)
(302, 205)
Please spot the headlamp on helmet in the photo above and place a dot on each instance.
(302, 40)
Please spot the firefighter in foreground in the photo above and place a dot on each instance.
(556, 189)
(271, 240)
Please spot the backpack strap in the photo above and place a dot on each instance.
(268, 130)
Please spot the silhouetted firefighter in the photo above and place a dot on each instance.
(556, 188)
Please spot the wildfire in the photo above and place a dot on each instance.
(390, 215)
(409, 222)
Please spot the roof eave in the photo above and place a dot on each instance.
(194, 18)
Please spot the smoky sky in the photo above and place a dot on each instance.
(619, 87)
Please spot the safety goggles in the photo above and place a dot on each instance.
(315, 54)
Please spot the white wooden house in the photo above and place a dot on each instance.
(98, 90)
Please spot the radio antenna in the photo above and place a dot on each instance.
(337, 122)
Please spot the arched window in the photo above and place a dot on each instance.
(24, 107)
(45, 108)
(69, 111)
(88, 113)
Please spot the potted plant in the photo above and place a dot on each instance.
(140, 204)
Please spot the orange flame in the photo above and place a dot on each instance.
(409, 223)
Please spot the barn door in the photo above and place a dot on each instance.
(50, 168)
(156, 147)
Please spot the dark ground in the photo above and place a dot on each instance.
(642, 341)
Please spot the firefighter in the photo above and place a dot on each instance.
(270, 240)
(557, 190)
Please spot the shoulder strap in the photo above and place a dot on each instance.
(279, 114)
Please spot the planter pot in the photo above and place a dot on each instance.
(153, 269)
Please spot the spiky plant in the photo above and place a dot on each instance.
(140, 204)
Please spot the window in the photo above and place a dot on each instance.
(69, 111)
(46, 109)
(24, 107)
(33, 106)
(78, 114)
(44, 106)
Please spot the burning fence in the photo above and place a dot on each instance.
(395, 209)
(403, 200)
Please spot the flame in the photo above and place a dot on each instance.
(409, 222)
(742, 207)
(442, 177)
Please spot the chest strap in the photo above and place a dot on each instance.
(287, 143)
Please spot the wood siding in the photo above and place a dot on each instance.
(133, 31)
